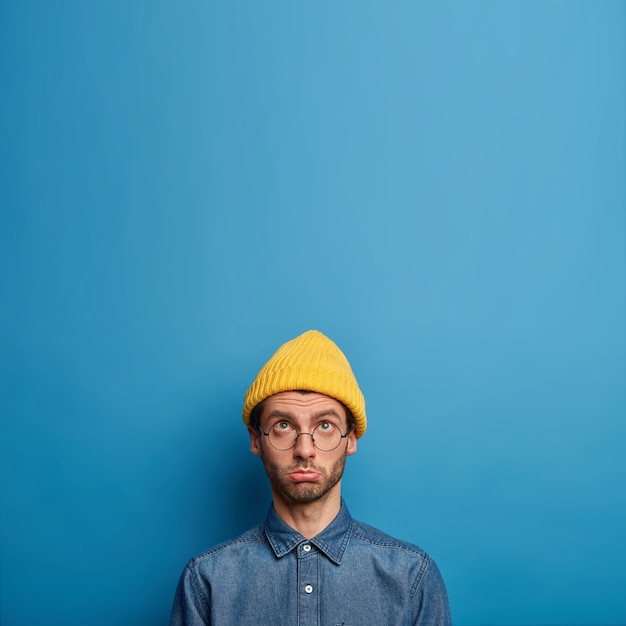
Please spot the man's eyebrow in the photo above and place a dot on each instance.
(327, 412)
(290, 415)
(277, 413)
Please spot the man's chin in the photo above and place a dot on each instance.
(303, 493)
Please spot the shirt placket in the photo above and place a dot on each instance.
(308, 585)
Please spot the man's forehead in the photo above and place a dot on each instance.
(302, 401)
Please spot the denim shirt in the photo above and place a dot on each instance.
(350, 574)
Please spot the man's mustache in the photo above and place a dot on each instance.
(307, 465)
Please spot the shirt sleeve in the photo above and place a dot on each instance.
(430, 601)
(191, 605)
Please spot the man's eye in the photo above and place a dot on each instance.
(283, 426)
(326, 426)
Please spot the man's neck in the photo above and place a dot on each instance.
(309, 518)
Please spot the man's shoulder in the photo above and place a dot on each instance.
(251, 537)
(375, 537)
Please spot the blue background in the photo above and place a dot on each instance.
(439, 187)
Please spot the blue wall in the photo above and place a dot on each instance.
(439, 187)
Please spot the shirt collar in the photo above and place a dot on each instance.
(332, 541)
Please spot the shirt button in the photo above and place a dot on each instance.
(308, 589)
(306, 548)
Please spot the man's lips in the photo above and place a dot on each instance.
(302, 476)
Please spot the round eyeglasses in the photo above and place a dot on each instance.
(283, 435)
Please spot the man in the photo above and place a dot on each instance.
(309, 563)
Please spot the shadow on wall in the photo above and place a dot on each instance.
(247, 494)
(217, 489)
(230, 486)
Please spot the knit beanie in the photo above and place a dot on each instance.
(309, 362)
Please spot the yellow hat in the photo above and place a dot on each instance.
(312, 362)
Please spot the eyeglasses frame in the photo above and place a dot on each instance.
(295, 441)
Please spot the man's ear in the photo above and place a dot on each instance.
(255, 441)
(351, 449)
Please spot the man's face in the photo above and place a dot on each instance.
(303, 473)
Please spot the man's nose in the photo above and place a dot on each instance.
(304, 447)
